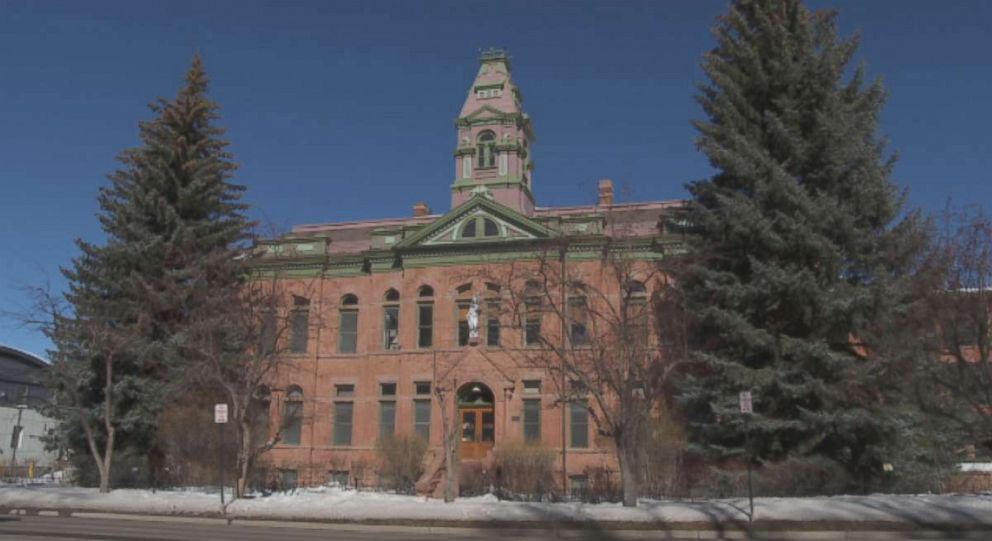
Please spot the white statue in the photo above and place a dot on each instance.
(473, 320)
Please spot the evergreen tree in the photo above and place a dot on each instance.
(174, 222)
(793, 273)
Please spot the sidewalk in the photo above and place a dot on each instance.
(939, 513)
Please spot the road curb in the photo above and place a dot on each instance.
(798, 530)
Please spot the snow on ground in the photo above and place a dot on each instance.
(334, 504)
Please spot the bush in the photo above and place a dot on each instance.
(524, 472)
(602, 485)
(473, 479)
(795, 477)
(661, 461)
(400, 462)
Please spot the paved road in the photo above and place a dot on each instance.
(96, 527)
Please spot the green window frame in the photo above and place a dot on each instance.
(387, 418)
(422, 418)
(578, 415)
(343, 422)
(532, 420)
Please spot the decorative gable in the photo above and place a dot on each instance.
(479, 219)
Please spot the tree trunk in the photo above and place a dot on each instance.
(244, 460)
(626, 455)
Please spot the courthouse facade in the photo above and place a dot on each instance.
(394, 319)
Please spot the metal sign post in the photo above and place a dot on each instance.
(220, 418)
(747, 409)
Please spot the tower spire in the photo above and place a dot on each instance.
(494, 137)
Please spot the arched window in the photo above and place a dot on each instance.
(391, 320)
(486, 149)
(490, 229)
(472, 226)
(635, 307)
(425, 317)
(261, 401)
(292, 416)
(299, 325)
(391, 296)
(348, 328)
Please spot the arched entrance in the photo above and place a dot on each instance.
(477, 415)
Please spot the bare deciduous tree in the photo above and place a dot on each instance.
(603, 353)
(243, 343)
(86, 350)
(948, 334)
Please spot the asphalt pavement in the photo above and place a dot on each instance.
(96, 526)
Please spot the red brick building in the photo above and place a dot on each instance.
(381, 310)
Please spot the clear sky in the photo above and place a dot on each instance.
(345, 110)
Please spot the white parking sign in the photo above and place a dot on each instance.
(220, 413)
(746, 406)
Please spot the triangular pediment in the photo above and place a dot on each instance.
(478, 220)
(486, 112)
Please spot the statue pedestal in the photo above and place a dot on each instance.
(473, 341)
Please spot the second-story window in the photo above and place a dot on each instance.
(391, 320)
(532, 314)
(578, 316)
(492, 323)
(425, 317)
(348, 331)
(299, 325)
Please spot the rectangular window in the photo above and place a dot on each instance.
(492, 324)
(422, 388)
(339, 478)
(299, 325)
(387, 418)
(422, 419)
(578, 315)
(288, 479)
(267, 336)
(348, 341)
(391, 327)
(292, 422)
(532, 328)
(425, 324)
(637, 322)
(532, 386)
(342, 423)
(344, 390)
(532, 420)
(463, 323)
(387, 389)
(579, 424)
(578, 485)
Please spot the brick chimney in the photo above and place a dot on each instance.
(421, 209)
(605, 193)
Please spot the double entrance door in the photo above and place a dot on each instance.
(478, 432)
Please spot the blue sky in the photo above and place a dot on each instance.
(344, 110)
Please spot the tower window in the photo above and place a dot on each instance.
(486, 149)
(490, 229)
(468, 231)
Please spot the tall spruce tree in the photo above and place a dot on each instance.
(174, 222)
(792, 274)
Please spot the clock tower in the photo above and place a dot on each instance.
(492, 155)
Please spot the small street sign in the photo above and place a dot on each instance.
(220, 413)
(746, 405)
